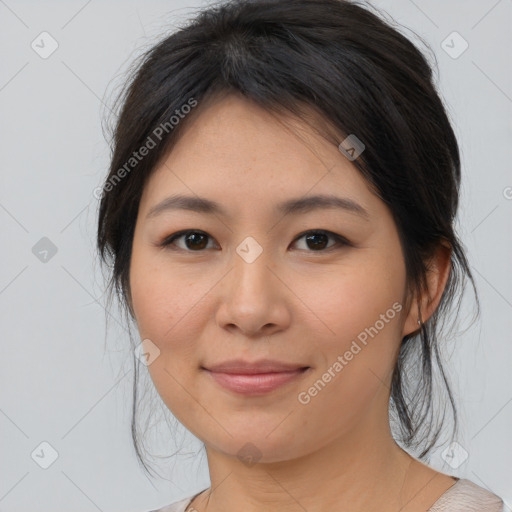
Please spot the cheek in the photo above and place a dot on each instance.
(164, 301)
(348, 299)
(167, 310)
(362, 307)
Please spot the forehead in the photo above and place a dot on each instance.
(234, 150)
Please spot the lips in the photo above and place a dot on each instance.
(241, 367)
(254, 378)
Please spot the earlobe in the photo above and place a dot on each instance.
(437, 273)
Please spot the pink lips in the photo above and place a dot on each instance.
(254, 378)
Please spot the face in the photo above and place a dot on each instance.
(317, 287)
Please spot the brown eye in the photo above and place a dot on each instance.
(317, 241)
(194, 241)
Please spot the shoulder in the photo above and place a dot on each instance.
(466, 496)
(178, 506)
(463, 496)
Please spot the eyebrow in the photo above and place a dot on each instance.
(300, 205)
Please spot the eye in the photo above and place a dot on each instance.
(317, 239)
(196, 241)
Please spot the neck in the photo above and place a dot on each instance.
(360, 470)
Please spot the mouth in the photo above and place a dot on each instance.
(256, 378)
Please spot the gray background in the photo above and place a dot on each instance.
(60, 385)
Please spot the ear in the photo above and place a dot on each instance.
(438, 271)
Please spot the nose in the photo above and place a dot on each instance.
(254, 298)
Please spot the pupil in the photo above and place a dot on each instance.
(194, 238)
(314, 237)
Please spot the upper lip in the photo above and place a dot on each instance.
(239, 366)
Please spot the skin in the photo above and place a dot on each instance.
(294, 303)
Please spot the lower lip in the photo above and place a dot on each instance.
(255, 384)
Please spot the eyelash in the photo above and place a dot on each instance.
(168, 241)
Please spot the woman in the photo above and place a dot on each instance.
(279, 214)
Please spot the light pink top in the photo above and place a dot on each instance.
(463, 496)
